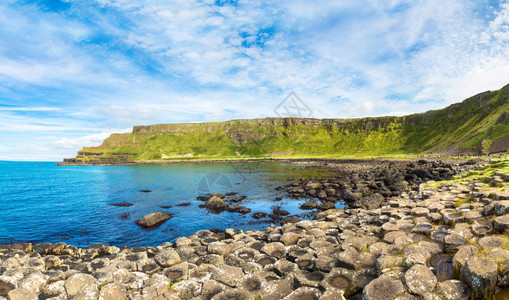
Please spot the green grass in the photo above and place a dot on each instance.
(473, 124)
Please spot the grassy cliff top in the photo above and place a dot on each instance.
(479, 124)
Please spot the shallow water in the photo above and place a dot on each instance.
(42, 202)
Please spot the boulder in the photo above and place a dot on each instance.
(480, 273)
(383, 288)
(501, 223)
(153, 219)
(419, 280)
(453, 290)
(167, 258)
(216, 203)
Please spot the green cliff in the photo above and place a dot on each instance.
(479, 124)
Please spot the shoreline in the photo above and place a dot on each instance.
(433, 242)
(283, 160)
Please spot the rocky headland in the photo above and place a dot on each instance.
(444, 239)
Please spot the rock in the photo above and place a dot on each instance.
(464, 253)
(419, 280)
(309, 205)
(167, 258)
(340, 279)
(239, 209)
(77, 282)
(113, 291)
(216, 204)
(307, 278)
(259, 215)
(277, 289)
(6, 287)
(453, 290)
(383, 288)
(490, 242)
(153, 219)
(22, 294)
(290, 238)
(502, 207)
(232, 294)
(453, 242)
(501, 224)
(304, 293)
(220, 248)
(290, 220)
(228, 275)
(253, 284)
(275, 249)
(122, 204)
(480, 274)
(442, 265)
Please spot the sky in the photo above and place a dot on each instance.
(74, 71)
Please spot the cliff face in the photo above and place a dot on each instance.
(479, 124)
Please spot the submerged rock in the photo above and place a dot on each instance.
(153, 219)
(216, 203)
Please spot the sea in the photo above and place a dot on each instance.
(42, 202)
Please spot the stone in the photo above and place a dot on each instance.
(167, 258)
(277, 289)
(501, 224)
(387, 262)
(235, 294)
(304, 293)
(22, 294)
(219, 248)
(453, 290)
(383, 288)
(419, 280)
(501, 207)
(253, 284)
(290, 238)
(480, 273)
(306, 278)
(177, 272)
(113, 291)
(275, 249)
(33, 282)
(490, 242)
(453, 242)
(153, 219)
(340, 279)
(216, 203)
(333, 294)
(442, 265)
(228, 275)
(77, 282)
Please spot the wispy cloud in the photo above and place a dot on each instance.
(71, 71)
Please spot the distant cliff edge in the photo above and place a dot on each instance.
(479, 124)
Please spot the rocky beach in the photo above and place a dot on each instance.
(443, 234)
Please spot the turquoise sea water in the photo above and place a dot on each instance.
(42, 202)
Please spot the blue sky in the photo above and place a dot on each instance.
(73, 71)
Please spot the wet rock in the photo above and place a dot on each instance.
(239, 209)
(383, 288)
(153, 219)
(309, 205)
(216, 204)
(453, 290)
(419, 280)
(122, 204)
(290, 220)
(480, 274)
(259, 215)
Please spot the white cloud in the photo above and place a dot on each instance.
(136, 62)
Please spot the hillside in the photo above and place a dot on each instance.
(479, 124)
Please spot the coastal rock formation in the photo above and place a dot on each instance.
(153, 219)
(393, 252)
